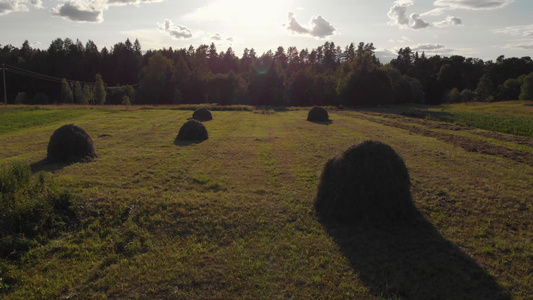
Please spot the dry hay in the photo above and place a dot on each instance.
(192, 130)
(369, 182)
(70, 143)
(318, 114)
(202, 114)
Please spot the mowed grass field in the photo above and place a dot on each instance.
(232, 217)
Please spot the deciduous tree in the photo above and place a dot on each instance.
(99, 90)
(66, 92)
(526, 91)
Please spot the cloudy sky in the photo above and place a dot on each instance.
(472, 28)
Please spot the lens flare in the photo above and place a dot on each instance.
(262, 65)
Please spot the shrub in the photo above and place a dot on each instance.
(32, 211)
(70, 143)
(192, 130)
(22, 98)
(125, 100)
(318, 114)
(202, 114)
(369, 182)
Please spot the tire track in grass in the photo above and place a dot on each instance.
(473, 201)
(468, 144)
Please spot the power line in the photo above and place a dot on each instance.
(35, 75)
(40, 76)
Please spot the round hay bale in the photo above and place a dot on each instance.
(202, 114)
(70, 143)
(318, 114)
(192, 130)
(369, 182)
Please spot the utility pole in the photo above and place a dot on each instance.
(5, 87)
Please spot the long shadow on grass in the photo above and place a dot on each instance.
(48, 166)
(185, 143)
(328, 122)
(412, 261)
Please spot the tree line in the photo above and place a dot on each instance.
(71, 72)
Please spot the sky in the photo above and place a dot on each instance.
(482, 29)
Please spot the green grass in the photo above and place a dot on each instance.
(513, 117)
(232, 218)
(22, 117)
(32, 213)
(509, 108)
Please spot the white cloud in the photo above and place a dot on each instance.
(217, 37)
(522, 45)
(81, 11)
(37, 3)
(318, 28)
(473, 4)
(428, 47)
(438, 49)
(435, 12)
(417, 23)
(398, 16)
(403, 40)
(449, 21)
(295, 27)
(9, 6)
(134, 2)
(397, 13)
(525, 30)
(176, 31)
(321, 28)
(442, 6)
(89, 10)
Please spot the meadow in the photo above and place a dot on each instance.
(232, 217)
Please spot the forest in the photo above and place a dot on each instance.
(71, 72)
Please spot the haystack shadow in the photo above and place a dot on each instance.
(412, 260)
(203, 121)
(183, 143)
(47, 166)
(328, 122)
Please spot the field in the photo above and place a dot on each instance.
(232, 217)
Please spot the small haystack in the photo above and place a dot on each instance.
(202, 114)
(192, 130)
(367, 183)
(318, 114)
(70, 143)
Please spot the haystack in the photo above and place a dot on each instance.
(202, 114)
(369, 182)
(70, 143)
(192, 130)
(318, 114)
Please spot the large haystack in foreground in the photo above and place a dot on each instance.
(70, 143)
(369, 182)
(192, 130)
(318, 114)
(202, 114)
